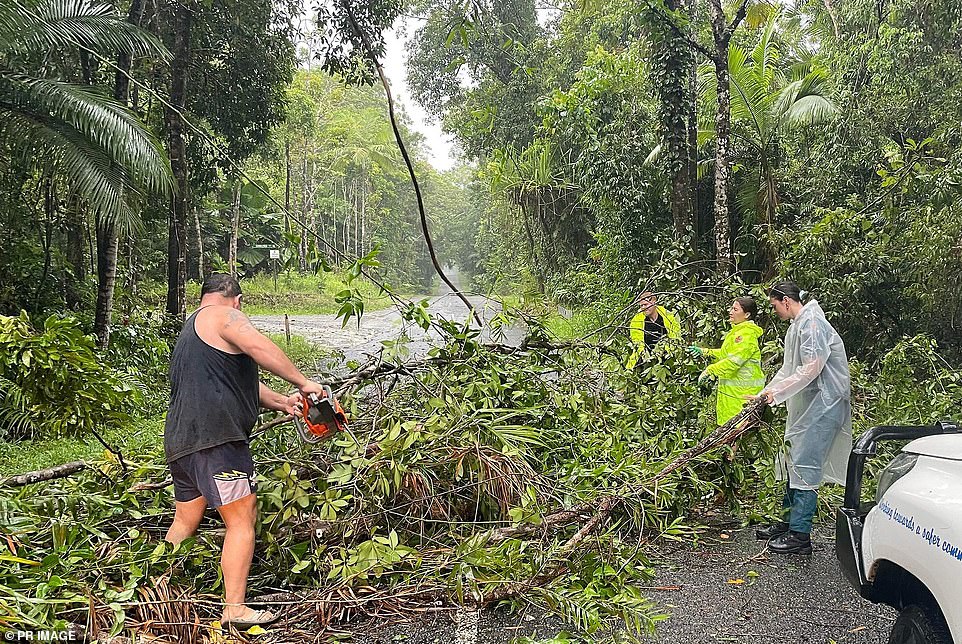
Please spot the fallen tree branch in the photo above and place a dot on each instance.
(146, 485)
(605, 506)
(724, 434)
(49, 474)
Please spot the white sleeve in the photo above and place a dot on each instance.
(778, 377)
(815, 351)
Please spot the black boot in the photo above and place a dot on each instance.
(791, 543)
(771, 531)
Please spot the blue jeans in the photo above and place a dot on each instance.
(798, 507)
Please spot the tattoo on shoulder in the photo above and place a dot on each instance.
(235, 317)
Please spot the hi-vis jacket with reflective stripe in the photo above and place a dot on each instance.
(738, 367)
(636, 331)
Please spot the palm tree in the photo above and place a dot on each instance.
(769, 101)
(103, 151)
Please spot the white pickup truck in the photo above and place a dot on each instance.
(905, 549)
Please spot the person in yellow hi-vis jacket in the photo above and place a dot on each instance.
(738, 363)
(651, 325)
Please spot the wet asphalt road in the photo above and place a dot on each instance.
(792, 600)
(780, 599)
(359, 341)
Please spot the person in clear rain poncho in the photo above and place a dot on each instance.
(815, 385)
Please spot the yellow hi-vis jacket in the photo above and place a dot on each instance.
(738, 367)
(636, 331)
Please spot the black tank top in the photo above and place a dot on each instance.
(213, 395)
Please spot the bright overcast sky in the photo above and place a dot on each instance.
(440, 145)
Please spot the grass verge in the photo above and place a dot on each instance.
(139, 436)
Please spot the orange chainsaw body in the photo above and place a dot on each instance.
(321, 417)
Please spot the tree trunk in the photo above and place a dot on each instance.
(334, 225)
(305, 210)
(693, 147)
(200, 245)
(107, 244)
(234, 227)
(357, 218)
(346, 224)
(287, 186)
(722, 136)
(107, 236)
(321, 233)
(677, 99)
(177, 150)
(76, 257)
(132, 284)
(363, 216)
(313, 221)
(50, 207)
(722, 34)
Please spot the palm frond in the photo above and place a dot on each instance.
(103, 122)
(759, 14)
(748, 94)
(808, 110)
(706, 133)
(58, 24)
(90, 171)
(654, 155)
(766, 53)
(16, 418)
(707, 94)
(747, 194)
(705, 167)
(804, 101)
(537, 164)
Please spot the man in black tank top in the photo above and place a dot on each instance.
(214, 399)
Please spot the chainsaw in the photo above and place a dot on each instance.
(321, 417)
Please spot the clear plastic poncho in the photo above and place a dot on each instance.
(815, 384)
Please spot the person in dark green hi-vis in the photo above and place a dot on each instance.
(738, 363)
(650, 326)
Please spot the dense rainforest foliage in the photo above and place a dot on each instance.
(701, 149)
(838, 137)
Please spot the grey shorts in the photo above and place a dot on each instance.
(221, 474)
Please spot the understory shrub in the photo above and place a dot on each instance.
(54, 383)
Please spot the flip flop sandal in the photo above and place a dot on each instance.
(257, 618)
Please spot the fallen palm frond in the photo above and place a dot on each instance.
(166, 611)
